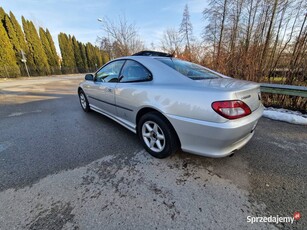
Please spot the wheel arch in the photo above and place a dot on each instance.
(79, 89)
(145, 110)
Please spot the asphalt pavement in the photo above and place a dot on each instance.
(61, 168)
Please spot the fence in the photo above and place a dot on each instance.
(292, 90)
(284, 96)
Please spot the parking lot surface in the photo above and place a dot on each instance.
(61, 168)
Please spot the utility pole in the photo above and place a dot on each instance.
(24, 60)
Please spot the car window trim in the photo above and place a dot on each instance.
(219, 75)
(128, 59)
(136, 81)
(120, 72)
(110, 62)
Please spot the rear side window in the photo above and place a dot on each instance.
(188, 69)
(134, 72)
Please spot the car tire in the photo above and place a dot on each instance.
(83, 101)
(157, 135)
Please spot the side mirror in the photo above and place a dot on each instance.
(89, 77)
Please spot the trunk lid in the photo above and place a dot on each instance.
(251, 97)
(246, 91)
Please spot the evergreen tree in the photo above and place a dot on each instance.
(105, 57)
(36, 48)
(98, 56)
(186, 30)
(91, 57)
(8, 66)
(71, 47)
(83, 56)
(2, 14)
(30, 54)
(22, 43)
(52, 61)
(53, 50)
(67, 52)
(12, 35)
(14, 41)
(18, 31)
(78, 57)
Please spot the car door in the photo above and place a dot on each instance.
(101, 94)
(129, 90)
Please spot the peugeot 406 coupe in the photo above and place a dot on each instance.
(174, 104)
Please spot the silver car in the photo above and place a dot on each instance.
(171, 104)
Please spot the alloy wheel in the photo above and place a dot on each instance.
(82, 100)
(153, 136)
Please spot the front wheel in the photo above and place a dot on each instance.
(157, 135)
(83, 101)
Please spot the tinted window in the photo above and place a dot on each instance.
(191, 70)
(133, 71)
(110, 72)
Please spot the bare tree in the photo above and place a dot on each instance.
(259, 40)
(216, 14)
(298, 55)
(236, 15)
(278, 40)
(224, 14)
(106, 46)
(121, 38)
(269, 35)
(251, 12)
(171, 41)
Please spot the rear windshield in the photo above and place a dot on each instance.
(188, 69)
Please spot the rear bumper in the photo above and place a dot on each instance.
(214, 139)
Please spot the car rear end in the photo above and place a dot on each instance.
(212, 114)
(236, 108)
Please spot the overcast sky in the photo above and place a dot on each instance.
(79, 17)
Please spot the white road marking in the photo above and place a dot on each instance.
(22, 113)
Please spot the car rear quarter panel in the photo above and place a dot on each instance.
(174, 100)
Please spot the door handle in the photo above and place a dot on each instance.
(109, 90)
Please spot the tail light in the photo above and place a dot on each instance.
(231, 109)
